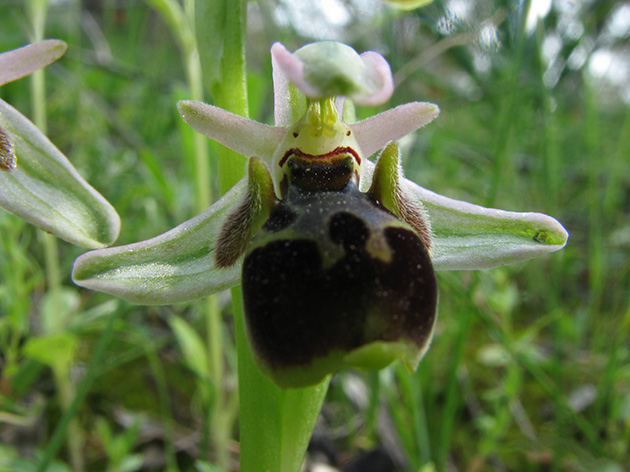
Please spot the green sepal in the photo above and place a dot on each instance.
(47, 191)
(251, 214)
(465, 236)
(177, 266)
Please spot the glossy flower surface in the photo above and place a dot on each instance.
(37, 182)
(311, 151)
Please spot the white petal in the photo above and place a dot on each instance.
(375, 132)
(244, 136)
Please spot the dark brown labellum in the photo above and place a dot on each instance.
(331, 272)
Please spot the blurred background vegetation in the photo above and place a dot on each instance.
(530, 366)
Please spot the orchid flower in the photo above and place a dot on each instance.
(311, 194)
(37, 182)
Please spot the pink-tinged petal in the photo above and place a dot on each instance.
(246, 137)
(375, 132)
(380, 74)
(26, 60)
(339, 104)
(281, 94)
(288, 107)
(293, 70)
(329, 68)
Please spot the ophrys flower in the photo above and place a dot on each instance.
(336, 254)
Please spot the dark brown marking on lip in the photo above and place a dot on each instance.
(320, 157)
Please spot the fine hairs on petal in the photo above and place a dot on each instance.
(8, 160)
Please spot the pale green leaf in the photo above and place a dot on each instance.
(47, 191)
(55, 350)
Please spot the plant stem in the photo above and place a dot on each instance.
(203, 185)
(219, 428)
(275, 425)
(37, 10)
(181, 21)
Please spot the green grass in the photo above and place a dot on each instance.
(528, 370)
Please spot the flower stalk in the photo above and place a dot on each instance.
(62, 373)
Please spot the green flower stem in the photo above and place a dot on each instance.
(164, 401)
(203, 184)
(275, 425)
(230, 94)
(66, 393)
(220, 427)
(507, 123)
(181, 21)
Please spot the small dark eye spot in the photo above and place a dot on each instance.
(348, 133)
(295, 134)
(348, 230)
